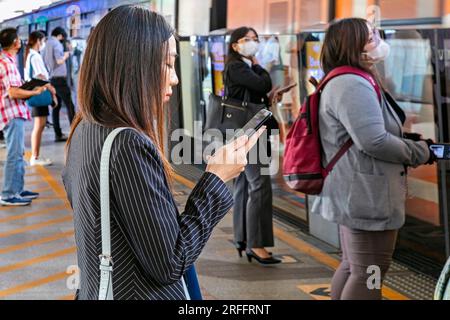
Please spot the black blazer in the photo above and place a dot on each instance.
(240, 77)
(152, 243)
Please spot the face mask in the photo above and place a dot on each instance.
(380, 53)
(42, 47)
(248, 49)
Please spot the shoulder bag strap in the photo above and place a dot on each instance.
(106, 261)
(31, 66)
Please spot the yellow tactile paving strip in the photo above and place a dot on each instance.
(45, 183)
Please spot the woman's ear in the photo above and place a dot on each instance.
(235, 47)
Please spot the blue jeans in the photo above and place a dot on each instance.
(14, 171)
(192, 284)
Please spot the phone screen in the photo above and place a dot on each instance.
(441, 151)
(255, 123)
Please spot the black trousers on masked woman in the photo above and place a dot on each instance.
(253, 202)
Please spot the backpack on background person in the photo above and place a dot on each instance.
(302, 164)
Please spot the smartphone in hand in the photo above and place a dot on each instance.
(254, 124)
(441, 151)
(286, 89)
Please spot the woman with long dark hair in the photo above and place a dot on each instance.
(365, 193)
(245, 78)
(35, 68)
(126, 79)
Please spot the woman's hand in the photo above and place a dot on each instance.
(53, 92)
(38, 90)
(230, 161)
(433, 159)
(274, 96)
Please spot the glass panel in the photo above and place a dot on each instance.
(23, 32)
(195, 79)
(206, 74)
(217, 50)
(279, 55)
(409, 75)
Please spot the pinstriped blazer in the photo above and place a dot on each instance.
(152, 243)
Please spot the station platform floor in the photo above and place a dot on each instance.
(38, 251)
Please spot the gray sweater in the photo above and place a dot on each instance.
(367, 188)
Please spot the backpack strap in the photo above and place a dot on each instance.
(333, 74)
(338, 156)
(339, 71)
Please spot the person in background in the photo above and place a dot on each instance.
(35, 68)
(55, 60)
(365, 193)
(14, 112)
(253, 226)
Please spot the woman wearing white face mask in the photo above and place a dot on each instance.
(365, 193)
(35, 68)
(244, 77)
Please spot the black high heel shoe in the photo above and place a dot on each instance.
(241, 246)
(266, 261)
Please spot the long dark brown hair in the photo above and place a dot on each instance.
(33, 38)
(122, 78)
(344, 44)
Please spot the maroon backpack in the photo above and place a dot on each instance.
(302, 165)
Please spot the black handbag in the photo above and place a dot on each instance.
(225, 113)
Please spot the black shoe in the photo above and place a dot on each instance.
(265, 261)
(241, 246)
(61, 138)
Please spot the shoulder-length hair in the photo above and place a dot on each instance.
(344, 44)
(236, 35)
(122, 78)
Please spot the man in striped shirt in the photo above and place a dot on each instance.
(13, 114)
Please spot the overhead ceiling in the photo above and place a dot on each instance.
(13, 8)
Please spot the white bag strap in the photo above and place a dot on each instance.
(106, 261)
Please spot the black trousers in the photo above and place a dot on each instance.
(252, 212)
(63, 94)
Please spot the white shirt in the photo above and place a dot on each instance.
(35, 59)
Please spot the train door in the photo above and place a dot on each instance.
(441, 57)
(409, 73)
(196, 86)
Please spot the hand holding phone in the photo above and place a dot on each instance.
(286, 89)
(441, 151)
(277, 93)
(254, 124)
